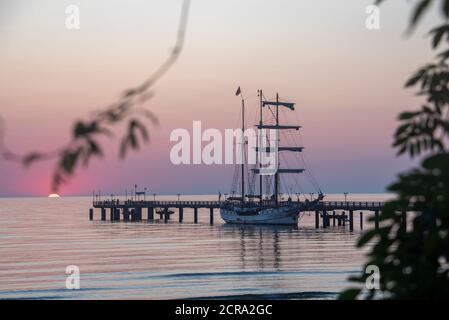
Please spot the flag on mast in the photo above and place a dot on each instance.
(238, 91)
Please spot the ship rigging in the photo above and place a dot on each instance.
(268, 206)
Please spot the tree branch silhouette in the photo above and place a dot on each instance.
(84, 145)
(413, 260)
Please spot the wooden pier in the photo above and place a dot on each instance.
(133, 210)
(327, 213)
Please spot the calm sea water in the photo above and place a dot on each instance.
(40, 237)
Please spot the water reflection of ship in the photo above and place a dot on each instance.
(259, 244)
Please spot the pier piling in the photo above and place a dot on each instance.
(361, 220)
(333, 218)
(317, 219)
(351, 220)
(91, 214)
(404, 222)
(181, 214)
(134, 214)
(376, 219)
(125, 214)
(211, 216)
(116, 214)
(150, 213)
(195, 215)
(103, 214)
(323, 219)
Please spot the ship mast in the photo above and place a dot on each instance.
(243, 150)
(278, 149)
(276, 175)
(259, 145)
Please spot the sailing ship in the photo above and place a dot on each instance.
(263, 209)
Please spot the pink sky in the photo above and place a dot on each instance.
(346, 80)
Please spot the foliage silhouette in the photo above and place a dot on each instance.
(84, 143)
(414, 263)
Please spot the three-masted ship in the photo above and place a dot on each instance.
(261, 208)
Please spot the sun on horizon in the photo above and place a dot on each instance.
(53, 195)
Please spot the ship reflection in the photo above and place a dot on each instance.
(259, 245)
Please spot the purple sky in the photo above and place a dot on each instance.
(347, 82)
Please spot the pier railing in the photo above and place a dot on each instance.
(142, 203)
(351, 205)
(303, 205)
